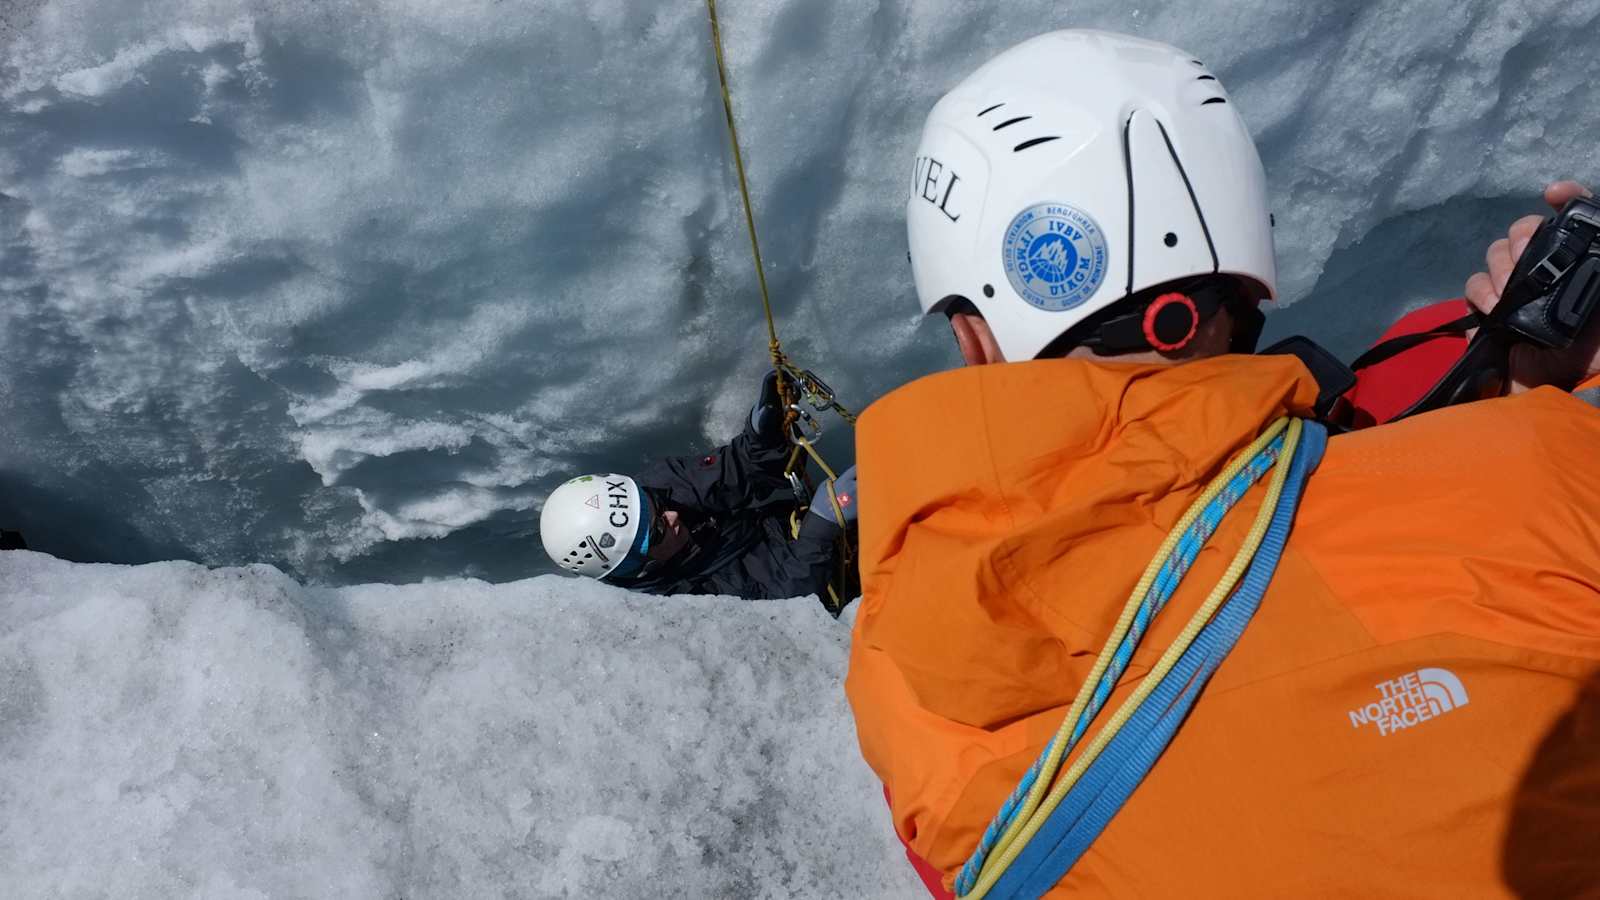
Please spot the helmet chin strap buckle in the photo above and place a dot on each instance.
(1168, 322)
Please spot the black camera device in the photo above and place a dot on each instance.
(1548, 299)
(1556, 283)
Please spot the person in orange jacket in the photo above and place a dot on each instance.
(1414, 707)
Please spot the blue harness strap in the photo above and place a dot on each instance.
(1590, 396)
(1106, 785)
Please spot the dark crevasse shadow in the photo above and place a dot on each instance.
(66, 524)
(1404, 263)
(1552, 846)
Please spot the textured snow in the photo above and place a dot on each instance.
(172, 731)
(345, 286)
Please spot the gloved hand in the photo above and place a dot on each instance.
(845, 488)
(766, 417)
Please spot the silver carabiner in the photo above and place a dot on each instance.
(803, 422)
(801, 495)
(818, 394)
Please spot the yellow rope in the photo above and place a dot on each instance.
(789, 377)
(838, 511)
(1125, 621)
(786, 370)
(846, 551)
(1034, 814)
(773, 346)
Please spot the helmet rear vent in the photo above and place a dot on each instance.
(990, 110)
(1211, 92)
(1034, 142)
(1014, 121)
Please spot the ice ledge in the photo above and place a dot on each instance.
(177, 730)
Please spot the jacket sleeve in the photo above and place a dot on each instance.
(735, 476)
(801, 566)
(776, 569)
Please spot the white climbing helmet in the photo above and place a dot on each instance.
(1075, 169)
(590, 524)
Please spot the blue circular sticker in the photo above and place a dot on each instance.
(1055, 256)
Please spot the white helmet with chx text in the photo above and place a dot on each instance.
(589, 524)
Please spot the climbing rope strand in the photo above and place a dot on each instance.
(744, 193)
(1197, 621)
(833, 496)
(1151, 681)
(791, 379)
(1106, 786)
(846, 549)
(1032, 788)
(1172, 573)
(787, 371)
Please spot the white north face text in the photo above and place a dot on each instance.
(1410, 700)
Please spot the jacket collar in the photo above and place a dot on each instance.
(1018, 466)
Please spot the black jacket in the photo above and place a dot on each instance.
(736, 503)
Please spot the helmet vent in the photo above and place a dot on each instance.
(1034, 142)
(990, 110)
(1010, 122)
(1210, 100)
(1206, 78)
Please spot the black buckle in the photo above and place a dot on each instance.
(1334, 378)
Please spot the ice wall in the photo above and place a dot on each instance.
(171, 731)
(347, 285)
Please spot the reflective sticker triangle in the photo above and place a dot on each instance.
(593, 501)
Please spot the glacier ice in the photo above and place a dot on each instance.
(346, 286)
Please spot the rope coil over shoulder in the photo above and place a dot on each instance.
(1035, 839)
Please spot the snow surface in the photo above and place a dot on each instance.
(347, 286)
(172, 731)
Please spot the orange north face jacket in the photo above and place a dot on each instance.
(1008, 511)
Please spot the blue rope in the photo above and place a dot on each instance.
(1097, 797)
(1171, 574)
(1172, 571)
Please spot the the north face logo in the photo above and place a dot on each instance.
(1410, 700)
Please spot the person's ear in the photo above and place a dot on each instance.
(975, 339)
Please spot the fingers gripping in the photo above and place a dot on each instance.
(1483, 289)
(1560, 193)
(1480, 293)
